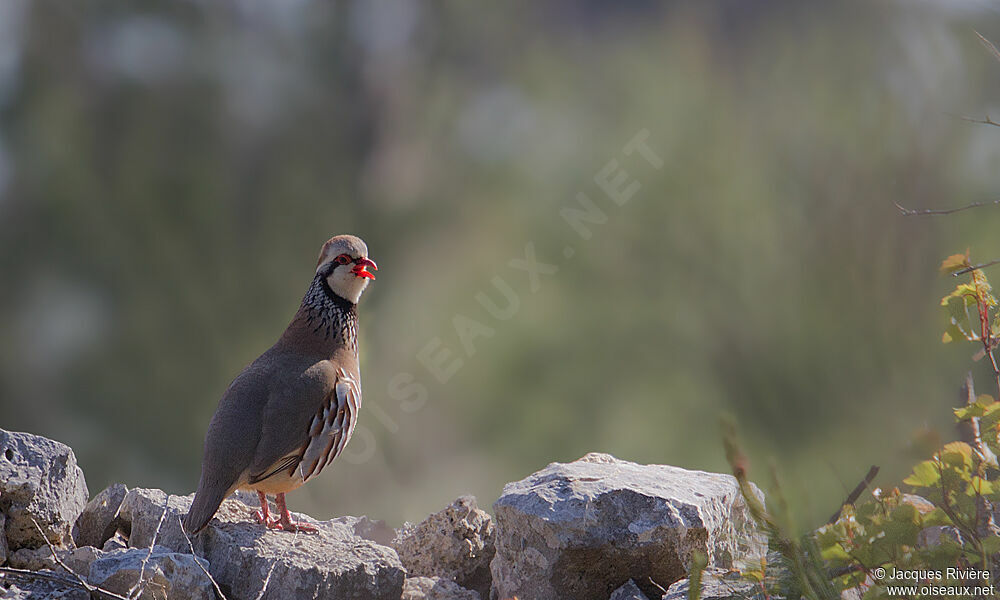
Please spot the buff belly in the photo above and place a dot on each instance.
(281, 482)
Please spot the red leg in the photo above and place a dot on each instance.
(285, 518)
(264, 515)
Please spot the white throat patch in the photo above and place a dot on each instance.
(346, 284)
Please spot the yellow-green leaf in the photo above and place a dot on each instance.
(955, 262)
(925, 474)
(991, 545)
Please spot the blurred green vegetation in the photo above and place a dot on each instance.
(169, 171)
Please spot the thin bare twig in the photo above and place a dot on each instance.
(969, 431)
(935, 212)
(975, 268)
(142, 567)
(274, 563)
(79, 579)
(12, 573)
(993, 362)
(986, 121)
(658, 586)
(855, 493)
(270, 570)
(43, 575)
(218, 590)
(989, 45)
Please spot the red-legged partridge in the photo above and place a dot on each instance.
(292, 411)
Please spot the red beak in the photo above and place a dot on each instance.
(361, 264)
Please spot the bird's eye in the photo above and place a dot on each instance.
(343, 259)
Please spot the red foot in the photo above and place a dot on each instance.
(264, 514)
(294, 526)
(266, 520)
(286, 518)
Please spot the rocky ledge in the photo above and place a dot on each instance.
(593, 529)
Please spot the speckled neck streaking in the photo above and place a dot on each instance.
(329, 315)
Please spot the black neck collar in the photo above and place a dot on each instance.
(329, 315)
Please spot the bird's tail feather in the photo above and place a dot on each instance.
(205, 504)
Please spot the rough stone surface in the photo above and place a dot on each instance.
(165, 574)
(456, 543)
(629, 591)
(931, 537)
(3, 540)
(716, 585)
(333, 562)
(117, 542)
(923, 505)
(435, 588)
(44, 585)
(40, 480)
(854, 593)
(99, 519)
(37, 559)
(582, 529)
(369, 529)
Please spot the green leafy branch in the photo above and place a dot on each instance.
(972, 311)
(948, 522)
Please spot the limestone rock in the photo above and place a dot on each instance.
(333, 562)
(629, 591)
(148, 513)
(456, 543)
(435, 588)
(582, 529)
(97, 523)
(923, 505)
(717, 585)
(117, 542)
(370, 529)
(37, 559)
(3, 540)
(931, 537)
(40, 480)
(165, 574)
(44, 585)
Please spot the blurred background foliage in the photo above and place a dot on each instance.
(168, 171)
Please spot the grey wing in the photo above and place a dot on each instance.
(234, 429)
(332, 426)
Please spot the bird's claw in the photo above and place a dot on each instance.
(265, 519)
(295, 526)
(278, 523)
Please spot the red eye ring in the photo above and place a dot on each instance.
(343, 259)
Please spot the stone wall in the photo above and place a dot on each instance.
(593, 529)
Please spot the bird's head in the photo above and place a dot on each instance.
(343, 262)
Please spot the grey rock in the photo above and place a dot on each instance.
(370, 529)
(40, 480)
(99, 519)
(4, 550)
(37, 559)
(117, 542)
(334, 562)
(923, 505)
(148, 514)
(456, 543)
(717, 585)
(931, 537)
(854, 593)
(43, 585)
(435, 588)
(629, 591)
(164, 574)
(580, 530)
